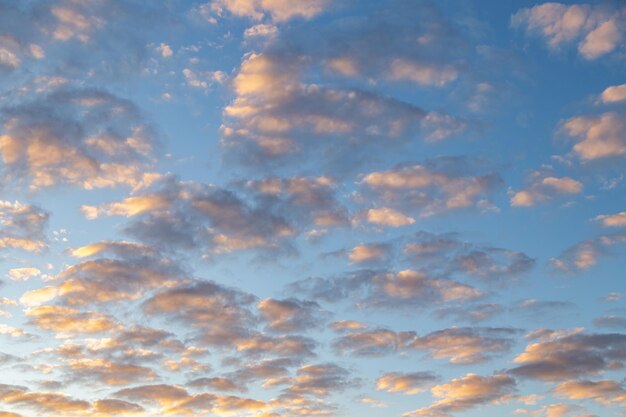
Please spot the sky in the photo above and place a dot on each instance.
(290, 208)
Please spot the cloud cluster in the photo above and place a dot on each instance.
(176, 400)
(465, 393)
(542, 187)
(222, 313)
(177, 215)
(275, 116)
(280, 114)
(331, 148)
(305, 200)
(22, 226)
(448, 255)
(433, 186)
(597, 137)
(586, 253)
(85, 137)
(612, 220)
(44, 402)
(386, 289)
(410, 383)
(132, 271)
(459, 345)
(597, 29)
(605, 392)
(558, 355)
(290, 315)
(278, 10)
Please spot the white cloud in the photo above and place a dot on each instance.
(614, 94)
(612, 220)
(598, 29)
(544, 187)
(279, 10)
(388, 217)
(165, 50)
(23, 274)
(598, 137)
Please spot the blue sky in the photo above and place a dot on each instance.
(312, 208)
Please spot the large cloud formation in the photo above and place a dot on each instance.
(297, 208)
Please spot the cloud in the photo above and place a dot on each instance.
(471, 313)
(71, 23)
(570, 355)
(22, 226)
(45, 402)
(9, 51)
(433, 186)
(165, 50)
(270, 372)
(493, 263)
(65, 320)
(176, 400)
(597, 137)
(306, 200)
(216, 383)
(131, 272)
(319, 380)
(6, 302)
(9, 414)
(586, 253)
(386, 216)
(223, 317)
(278, 10)
(597, 29)
(466, 345)
(542, 187)
(203, 79)
(552, 410)
(162, 393)
(615, 322)
(373, 343)
(279, 110)
(387, 289)
(447, 254)
(605, 392)
(410, 286)
(108, 372)
(23, 274)
(612, 220)
(128, 207)
(347, 325)
(460, 345)
(261, 30)
(85, 137)
(94, 40)
(174, 215)
(319, 138)
(132, 345)
(541, 308)
(406, 383)
(291, 315)
(433, 54)
(364, 253)
(276, 117)
(612, 297)
(221, 313)
(258, 345)
(465, 393)
(111, 406)
(614, 94)
(420, 73)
